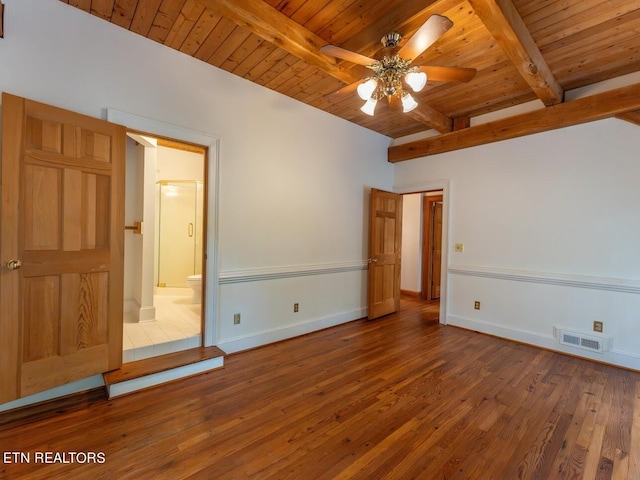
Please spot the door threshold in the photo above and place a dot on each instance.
(154, 371)
(142, 352)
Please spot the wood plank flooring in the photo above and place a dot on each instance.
(400, 397)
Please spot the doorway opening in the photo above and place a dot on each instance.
(165, 203)
(431, 245)
(422, 245)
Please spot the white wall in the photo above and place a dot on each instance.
(411, 272)
(132, 212)
(293, 180)
(176, 164)
(550, 227)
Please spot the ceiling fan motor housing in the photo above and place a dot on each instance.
(391, 40)
(388, 73)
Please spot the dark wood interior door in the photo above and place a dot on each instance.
(431, 246)
(436, 249)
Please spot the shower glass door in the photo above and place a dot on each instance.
(178, 233)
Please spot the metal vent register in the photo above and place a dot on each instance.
(593, 343)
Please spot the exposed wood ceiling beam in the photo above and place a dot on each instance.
(461, 122)
(633, 117)
(588, 109)
(268, 23)
(507, 27)
(432, 118)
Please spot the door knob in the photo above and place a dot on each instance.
(14, 264)
(372, 260)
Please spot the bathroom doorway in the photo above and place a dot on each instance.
(166, 201)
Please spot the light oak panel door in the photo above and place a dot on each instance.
(63, 221)
(385, 242)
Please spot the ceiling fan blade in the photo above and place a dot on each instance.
(348, 55)
(425, 36)
(448, 74)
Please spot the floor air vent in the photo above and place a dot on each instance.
(593, 343)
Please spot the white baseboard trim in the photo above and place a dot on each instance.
(147, 314)
(139, 313)
(614, 357)
(245, 342)
(135, 384)
(131, 305)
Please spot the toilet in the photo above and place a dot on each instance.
(195, 283)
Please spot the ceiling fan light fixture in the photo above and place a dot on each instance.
(370, 106)
(416, 80)
(408, 103)
(393, 75)
(366, 89)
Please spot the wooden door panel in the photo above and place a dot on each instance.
(51, 372)
(41, 334)
(84, 316)
(95, 191)
(43, 135)
(85, 144)
(65, 320)
(72, 208)
(384, 287)
(84, 202)
(66, 225)
(41, 207)
(385, 243)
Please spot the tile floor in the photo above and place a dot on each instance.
(177, 327)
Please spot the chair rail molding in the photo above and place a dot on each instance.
(272, 273)
(562, 279)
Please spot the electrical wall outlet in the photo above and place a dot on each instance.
(296, 308)
(597, 326)
(236, 318)
(476, 304)
(458, 247)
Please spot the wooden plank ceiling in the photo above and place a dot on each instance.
(523, 50)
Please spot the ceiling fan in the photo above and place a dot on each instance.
(393, 72)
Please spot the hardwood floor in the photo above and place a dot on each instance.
(400, 397)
